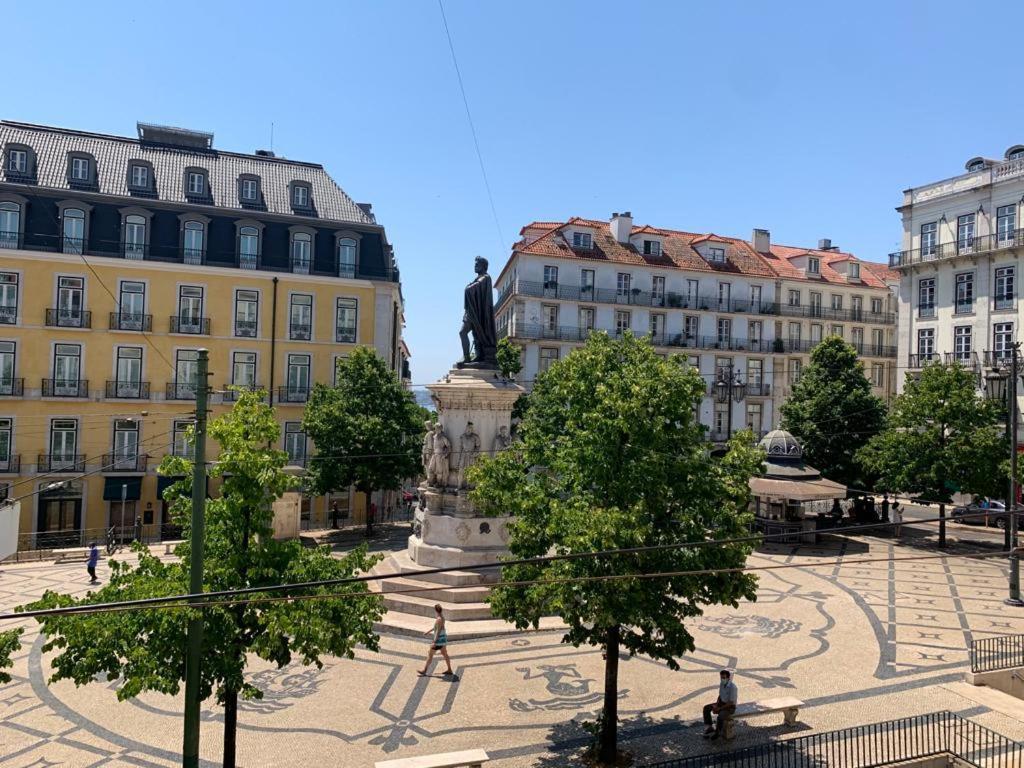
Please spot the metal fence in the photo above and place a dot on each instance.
(993, 653)
(879, 744)
(70, 539)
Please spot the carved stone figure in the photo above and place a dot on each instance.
(440, 455)
(469, 448)
(479, 320)
(428, 442)
(502, 440)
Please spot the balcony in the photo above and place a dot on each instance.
(10, 239)
(683, 341)
(292, 394)
(68, 318)
(971, 246)
(65, 388)
(130, 321)
(922, 359)
(301, 265)
(61, 462)
(120, 462)
(8, 315)
(245, 329)
(10, 465)
(299, 331)
(12, 387)
(814, 312)
(199, 326)
(231, 395)
(1004, 302)
(345, 334)
(193, 256)
(999, 358)
(128, 390)
(760, 389)
(925, 310)
(963, 307)
(181, 390)
(966, 359)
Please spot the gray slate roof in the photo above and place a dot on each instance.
(113, 153)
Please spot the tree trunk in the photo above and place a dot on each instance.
(942, 526)
(608, 751)
(230, 727)
(369, 513)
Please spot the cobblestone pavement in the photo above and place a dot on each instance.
(858, 643)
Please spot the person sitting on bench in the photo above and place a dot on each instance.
(728, 696)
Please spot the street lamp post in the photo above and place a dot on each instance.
(729, 387)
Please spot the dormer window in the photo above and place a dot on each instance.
(300, 196)
(716, 254)
(140, 177)
(975, 165)
(249, 190)
(1016, 154)
(80, 169)
(17, 161)
(854, 270)
(196, 184)
(813, 266)
(582, 240)
(652, 248)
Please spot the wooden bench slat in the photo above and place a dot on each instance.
(470, 757)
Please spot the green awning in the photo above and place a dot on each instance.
(113, 487)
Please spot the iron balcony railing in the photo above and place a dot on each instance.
(68, 318)
(963, 246)
(1004, 301)
(926, 310)
(195, 325)
(934, 735)
(966, 359)
(130, 321)
(65, 387)
(299, 331)
(185, 390)
(301, 265)
(10, 464)
(963, 307)
(760, 389)
(292, 394)
(72, 538)
(998, 358)
(231, 395)
(61, 462)
(120, 462)
(12, 387)
(345, 334)
(8, 315)
(128, 390)
(814, 312)
(10, 239)
(990, 654)
(245, 329)
(922, 359)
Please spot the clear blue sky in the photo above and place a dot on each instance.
(807, 119)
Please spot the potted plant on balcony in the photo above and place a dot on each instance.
(675, 300)
(778, 347)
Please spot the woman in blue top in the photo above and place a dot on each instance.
(440, 643)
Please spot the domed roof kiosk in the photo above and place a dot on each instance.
(783, 492)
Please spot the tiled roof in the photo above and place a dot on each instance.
(113, 153)
(677, 251)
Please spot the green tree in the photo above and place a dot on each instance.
(833, 412)
(510, 361)
(10, 641)
(611, 456)
(367, 430)
(941, 438)
(144, 650)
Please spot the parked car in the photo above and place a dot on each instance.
(991, 513)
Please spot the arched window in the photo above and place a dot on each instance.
(302, 249)
(134, 237)
(248, 247)
(975, 165)
(346, 257)
(10, 224)
(1016, 154)
(74, 230)
(192, 242)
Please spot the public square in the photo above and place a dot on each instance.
(857, 643)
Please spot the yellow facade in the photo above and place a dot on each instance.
(95, 415)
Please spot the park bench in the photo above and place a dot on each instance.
(470, 758)
(788, 706)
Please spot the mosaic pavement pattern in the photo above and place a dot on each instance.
(858, 643)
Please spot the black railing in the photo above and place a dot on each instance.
(181, 391)
(922, 359)
(963, 246)
(119, 462)
(870, 746)
(345, 334)
(68, 539)
(814, 312)
(966, 359)
(1004, 302)
(65, 387)
(68, 318)
(990, 654)
(12, 387)
(299, 331)
(245, 329)
(926, 310)
(130, 321)
(8, 315)
(301, 265)
(10, 464)
(61, 462)
(196, 325)
(231, 395)
(128, 390)
(997, 358)
(292, 394)
(9, 239)
(761, 389)
(963, 307)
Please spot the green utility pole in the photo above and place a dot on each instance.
(194, 651)
(1014, 416)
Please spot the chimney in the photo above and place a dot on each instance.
(622, 226)
(367, 208)
(824, 244)
(264, 153)
(761, 240)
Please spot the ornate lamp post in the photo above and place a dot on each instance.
(729, 387)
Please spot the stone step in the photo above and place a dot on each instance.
(400, 562)
(431, 590)
(420, 606)
(409, 625)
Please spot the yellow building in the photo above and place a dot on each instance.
(119, 259)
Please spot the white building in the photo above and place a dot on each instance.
(752, 307)
(959, 263)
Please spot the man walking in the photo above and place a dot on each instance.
(94, 557)
(724, 707)
(897, 518)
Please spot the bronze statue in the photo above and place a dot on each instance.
(479, 320)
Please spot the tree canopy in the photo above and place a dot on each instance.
(510, 361)
(10, 641)
(833, 412)
(144, 650)
(366, 429)
(611, 456)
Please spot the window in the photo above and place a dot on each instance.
(134, 237)
(549, 312)
(794, 333)
(816, 330)
(755, 372)
(298, 378)
(63, 443)
(658, 291)
(623, 282)
(720, 420)
(345, 325)
(794, 298)
(837, 330)
(8, 298)
(194, 235)
(550, 278)
(657, 327)
(724, 296)
(925, 344)
(692, 291)
(186, 374)
(250, 190)
(246, 313)
(857, 339)
(300, 317)
(876, 306)
(140, 176)
(796, 370)
(79, 169)
(755, 298)
(243, 369)
(1017, 154)
(302, 249)
(70, 300)
(815, 304)
(300, 196)
(1004, 288)
(67, 370)
(131, 306)
(754, 417)
(965, 232)
(126, 444)
(1006, 223)
(6, 434)
(878, 374)
(346, 257)
(180, 445)
(837, 301)
(652, 248)
(248, 247)
(877, 341)
(197, 183)
(128, 376)
(926, 297)
(929, 239)
(622, 321)
(17, 161)
(857, 307)
(587, 318)
(724, 332)
(716, 254)
(691, 326)
(7, 385)
(813, 266)
(964, 296)
(548, 357)
(295, 442)
(587, 283)
(10, 224)
(1002, 339)
(73, 222)
(755, 332)
(582, 240)
(975, 165)
(190, 310)
(854, 270)
(962, 343)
